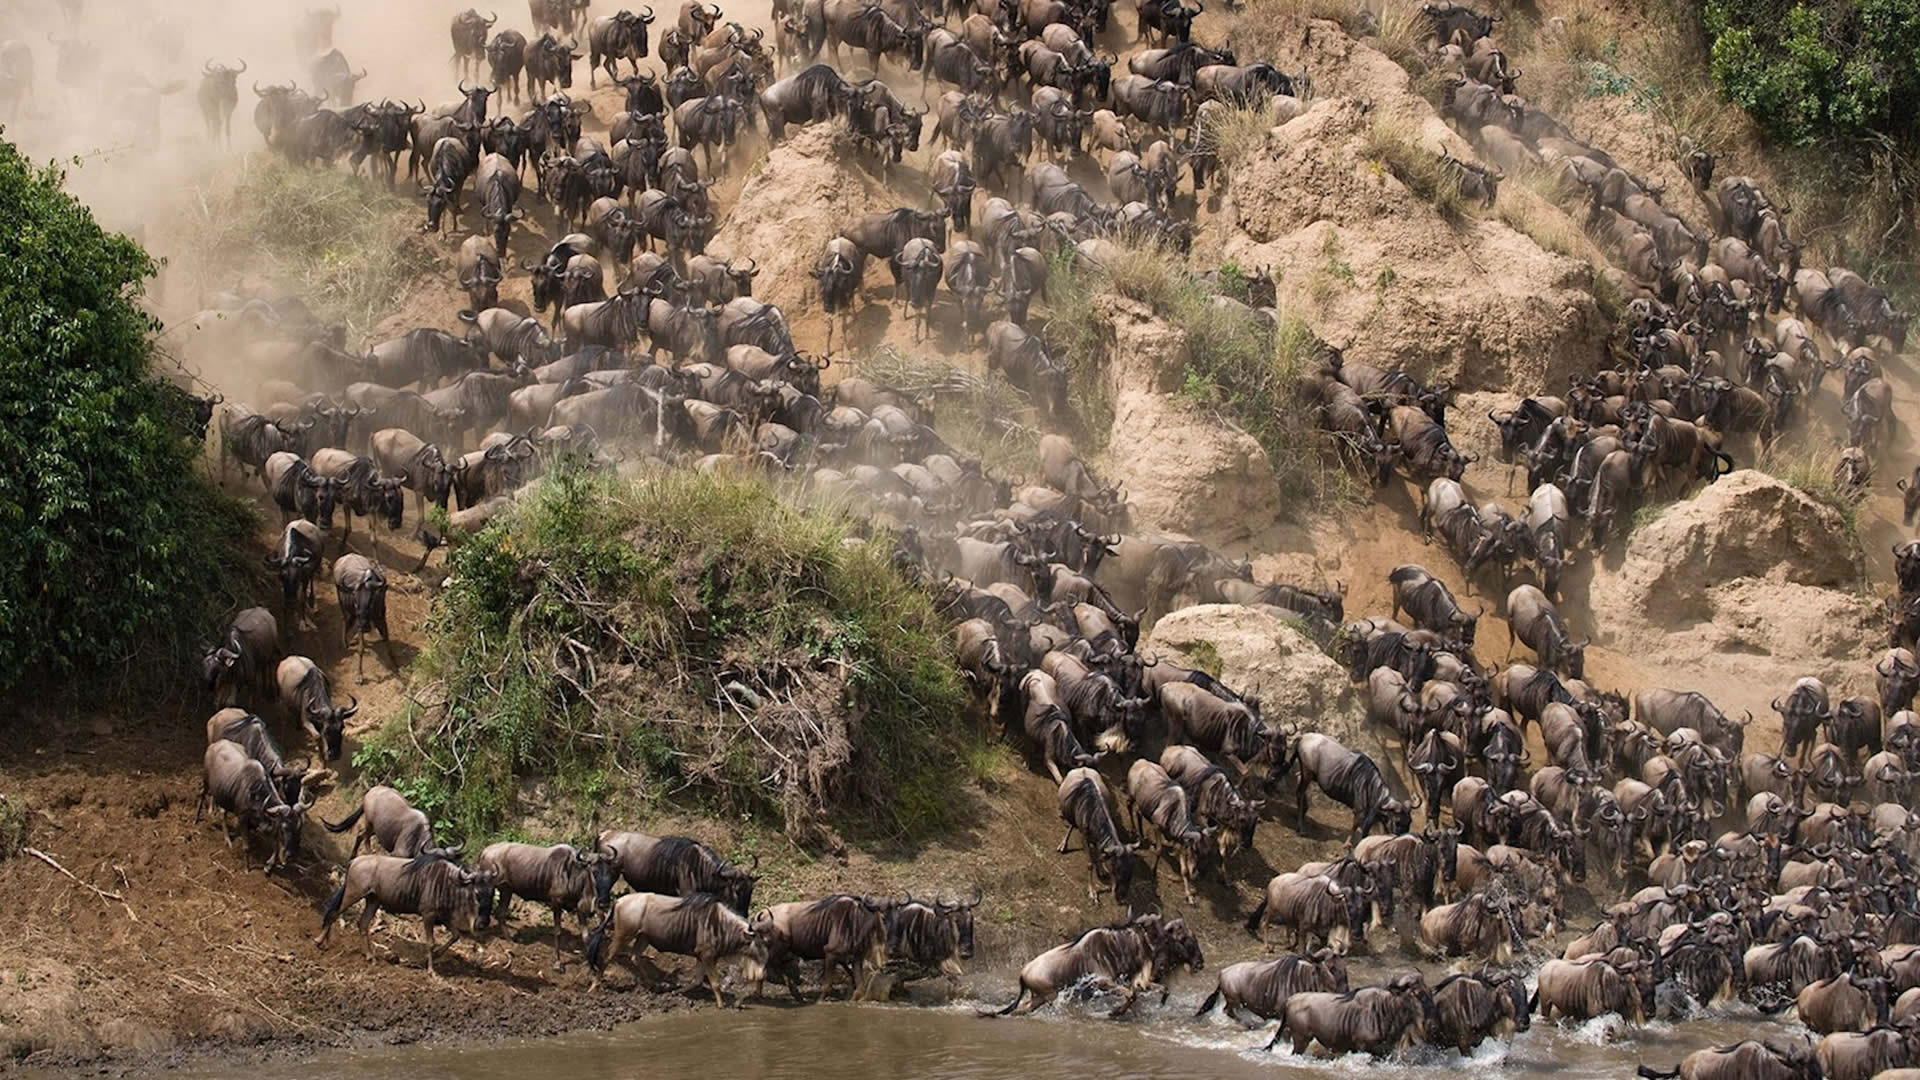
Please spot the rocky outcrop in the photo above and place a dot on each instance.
(1183, 471)
(1747, 565)
(1257, 652)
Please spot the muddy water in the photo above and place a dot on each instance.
(773, 1042)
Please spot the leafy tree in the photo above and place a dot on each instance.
(112, 545)
(1819, 69)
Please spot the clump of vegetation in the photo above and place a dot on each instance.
(13, 828)
(1239, 134)
(986, 417)
(114, 553)
(1819, 70)
(1239, 367)
(1394, 145)
(321, 233)
(1811, 472)
(678, 633)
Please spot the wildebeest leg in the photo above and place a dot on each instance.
(1065, 840)
(365, 833)
(559, 962)
(367, 915)
(430, 947)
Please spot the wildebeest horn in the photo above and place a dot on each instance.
(256, 89)
(492, 18)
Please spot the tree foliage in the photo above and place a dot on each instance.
(111, 544)
(1808, 71)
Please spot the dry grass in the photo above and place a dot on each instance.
(1240, 135)
(1811, 471)
(1527, 204)
(1395, 145)
(984, 416)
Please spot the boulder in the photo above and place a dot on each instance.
(1258, 653)
(1183, 471)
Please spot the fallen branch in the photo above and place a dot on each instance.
(96, 890)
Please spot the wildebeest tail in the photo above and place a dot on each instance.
(1651, 1073)
(1207, 1005)
(350, 821)
(1533, 1003)
(331, 910)
(597, 943)
(1253, 920)
(1011, 1005)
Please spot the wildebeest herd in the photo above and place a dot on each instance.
(1781, 879)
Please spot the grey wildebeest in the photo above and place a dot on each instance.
(1262, 987)
(1375, 1020)
(700, 925)
(1163, 812)
(400, 827)
(1086, 807)
(675, 865)
(1351, 779)
(250, 732)
(429, 885)
(1467, 1008)
(843, 932)
(219, 95)
(561, 876)
(240, 787)
(1232, 729)
(307, 695)
(1313, 907)
(1213, 797)
(246, 658)
(1594, 986)
(936, 936)
(361, 588)
(1430, 605)
(1666, 711)
(1533, 619)
(1125, 958)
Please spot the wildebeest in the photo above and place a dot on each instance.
(1749, 1059)
(936, 936)
(1313, 907)
(1124, 958)
(1467, 1008)
(307, 695)
(1086, 807)
(400, 827)
(1376, 1020)
(361, 588)
(1163, 811)
(1533, 619)
(335, 77)
(241, 787)
(1430, 604)
(1594, 986)
(1352, 779)
(1213, 797)
(700, 925)
(842, 932)
(561, 876)
(429, 885)
(1262, 987)
(295, 560)
(246, 658)
(1666, 711)
(218, 96)
(1481, 924)
(675, 865)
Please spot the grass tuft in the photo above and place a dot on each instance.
(1810, 471)
(320, 233)
(1395, 145)
(677, 634)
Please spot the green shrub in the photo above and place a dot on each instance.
(630, 639)
(1809, 72)
(113, 549)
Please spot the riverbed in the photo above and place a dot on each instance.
(873, 1042)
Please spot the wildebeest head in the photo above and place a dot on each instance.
(960, 916)
(286, 820)
(218, 660)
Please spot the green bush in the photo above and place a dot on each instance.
(629, 639)
(112, 547)
(1808, 72)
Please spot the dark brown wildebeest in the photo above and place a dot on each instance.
(1897, 678)
(362, 590)
(1469, 1008)
(245, 660)
(1796, 963)
(1353, 780)
(675, 865)
(841, 931)
(421, 466)
(1414, 862)
(1592, 986)
(1750, 1059)
(700, 925)
(364, 491)
(294, 561)
(561, 876)
(1375, 1020)
(1807, 707)
(431, 886)
(400, 827)
(1313, 907)
(1163, 813)
(307, 695)
(250, 438)
(1431, 606)
(1262, 987)
(1214, 799)
(936, 936)
(1438, 762)
(1125, 958)
(218, 96)
(1086, 807)
(1049, 727)
(241, 787)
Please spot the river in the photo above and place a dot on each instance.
(871, 1042)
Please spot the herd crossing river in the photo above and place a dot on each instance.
(895, 1043)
